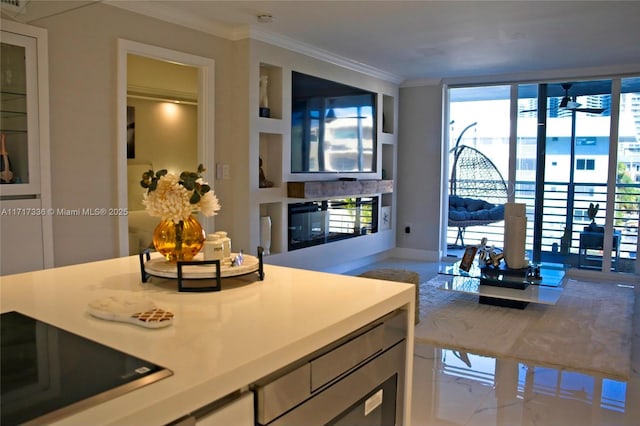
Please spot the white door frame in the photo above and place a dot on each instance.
(206, 81)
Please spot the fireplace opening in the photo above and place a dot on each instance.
(320, 222)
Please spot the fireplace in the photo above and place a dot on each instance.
(320, 222)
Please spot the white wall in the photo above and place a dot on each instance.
(83, 76)
(83, 94)
(419, 171)
(165, 137)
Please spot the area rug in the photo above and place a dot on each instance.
(589, 329)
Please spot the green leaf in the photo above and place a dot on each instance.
(195, 198)
(189, 184)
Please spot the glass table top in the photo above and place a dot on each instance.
(551, 275)
(532, 294)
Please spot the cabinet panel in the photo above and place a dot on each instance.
(19, 115)
(25, 192)
(238, 412)
(21, 242)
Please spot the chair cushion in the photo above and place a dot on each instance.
(464, 209)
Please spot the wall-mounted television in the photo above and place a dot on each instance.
(333, 127)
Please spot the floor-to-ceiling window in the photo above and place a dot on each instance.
(479, 156)
(552, 143)
(627, 189)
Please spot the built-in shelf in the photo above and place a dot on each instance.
(338, 188)
(274, 88)
(270, 125)
(388, 162)
(270, 141)
(388, 114)
(270, 151)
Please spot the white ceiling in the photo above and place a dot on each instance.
(413, 40)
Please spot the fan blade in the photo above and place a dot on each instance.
(590, 110)
(566, 99)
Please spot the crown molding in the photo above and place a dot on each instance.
(419, 82)
(240, 32)
(321, 54)
(177, 17)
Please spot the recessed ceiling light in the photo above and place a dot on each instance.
(265, 18)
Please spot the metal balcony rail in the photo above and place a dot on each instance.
(559, 197)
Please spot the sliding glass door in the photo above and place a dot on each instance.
(571, 152)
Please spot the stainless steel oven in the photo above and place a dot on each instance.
(356, 381)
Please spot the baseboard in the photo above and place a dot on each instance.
(415, 254)
(358, 263)
(590, 275)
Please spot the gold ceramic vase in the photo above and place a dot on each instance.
(179, 241)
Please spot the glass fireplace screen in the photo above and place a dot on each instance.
(320, 222)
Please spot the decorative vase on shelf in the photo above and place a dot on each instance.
(179, 241)
(265, 234)
(6, 175)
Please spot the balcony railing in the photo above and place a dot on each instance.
(559, 198)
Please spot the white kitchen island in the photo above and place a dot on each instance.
(220, 342)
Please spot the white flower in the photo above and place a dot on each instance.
(170, 200)
(209, 204)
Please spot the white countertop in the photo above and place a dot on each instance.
(220, 342)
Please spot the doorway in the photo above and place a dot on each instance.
(133, 156)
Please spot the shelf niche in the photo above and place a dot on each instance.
(271, 155)
(338, 188)
(274, 211)
(388, 115)
(274, 89)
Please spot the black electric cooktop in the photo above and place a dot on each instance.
(49, 373)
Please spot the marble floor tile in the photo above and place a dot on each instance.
(452, 388)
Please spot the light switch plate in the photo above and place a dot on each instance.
(223, 171)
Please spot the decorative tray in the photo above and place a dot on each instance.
(160, 267)
(199, 269)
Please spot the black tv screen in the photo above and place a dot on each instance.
(333, 127)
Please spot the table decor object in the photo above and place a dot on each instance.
(138, 311)
(515, 235)
(265, 234)
(264, 110)
(179, 236)
(6, 174)
(199, 269)
(226, 245)
(592, 212)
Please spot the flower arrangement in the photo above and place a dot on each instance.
(172, 197)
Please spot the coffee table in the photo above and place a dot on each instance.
(512, 291)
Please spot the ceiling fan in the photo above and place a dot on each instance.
(568, 103)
